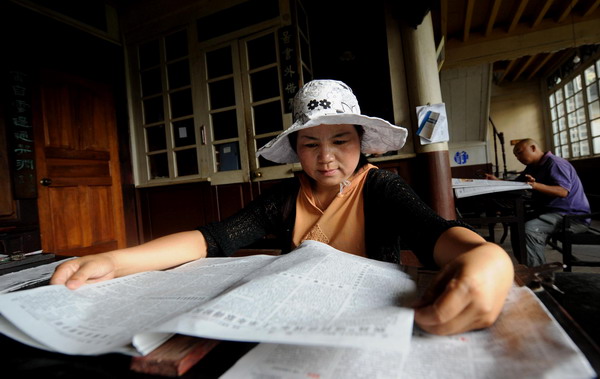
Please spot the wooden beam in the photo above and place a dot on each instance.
(541, 64)
(523, 67)
(468, 19)
(444, 19)
(542, 13)
(592, 8)
(518, 15)
(493, 15)
(549, 37)
(507, 70)
(567, 11)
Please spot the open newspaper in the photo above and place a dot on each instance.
(474, 187)
(525, 342)
(315, 295)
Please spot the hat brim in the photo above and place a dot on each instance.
(380, 136)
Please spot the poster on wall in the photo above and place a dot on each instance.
(289, 65)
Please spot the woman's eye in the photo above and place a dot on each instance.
(310, 145)
(340, 142)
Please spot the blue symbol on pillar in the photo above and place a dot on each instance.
(461, 157)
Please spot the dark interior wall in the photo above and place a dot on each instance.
(31, 42)
(349, 43)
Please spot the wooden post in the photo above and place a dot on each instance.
(423, 81)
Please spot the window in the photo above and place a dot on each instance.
(203, 105)
(575, 113)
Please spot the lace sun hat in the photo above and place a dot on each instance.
(332, 102)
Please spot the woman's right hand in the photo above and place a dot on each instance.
(84, 270)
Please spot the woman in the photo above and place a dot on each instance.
(343, 201)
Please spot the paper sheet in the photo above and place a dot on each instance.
(525, 342)
(315, 295)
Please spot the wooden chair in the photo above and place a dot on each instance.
(565, 241)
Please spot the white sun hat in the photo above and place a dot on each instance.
(332, 102)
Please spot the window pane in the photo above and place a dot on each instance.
(557, 151)
(261, 51)
(562, 124)
(577, 83)
(570, 104)
(595, 128)
(590, 75)
(159, 166)
(592, 92)
(267, 118)
(563, 138)
(594, 109)
(582, 131)
(556, 140)
(579, 100)
(265, 84)
(565, 151)
(224, 125)
(153, 110)
(221, 94)
(553, 113)
(572, 119)
(156, 138)
(569, 89)
(187, 162)
(584, 148)
(575, 148)
(596, 142)
(574, 134)
(227, 156)
(181, 103)
(179, 74)
(580, 115)
(176, 45)
(551, 99)
(554, 126)
(219, 62)
(149, 54)
(151, 82)
(560, 110)
(184, 132)
(559, 97)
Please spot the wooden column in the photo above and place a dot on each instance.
(422, 77)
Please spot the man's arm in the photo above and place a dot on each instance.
(555, 191)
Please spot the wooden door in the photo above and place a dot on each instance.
(79, 190)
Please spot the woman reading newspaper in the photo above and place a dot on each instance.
(341, 200)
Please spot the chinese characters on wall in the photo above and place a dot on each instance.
(20, 136)
(289, 66)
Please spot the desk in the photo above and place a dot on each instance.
(22, 359)
(500, 207)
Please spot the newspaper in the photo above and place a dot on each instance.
(473, 187)
(525, 342)
(315, 295)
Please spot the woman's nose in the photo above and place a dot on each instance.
(325, 154)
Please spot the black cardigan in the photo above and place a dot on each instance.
(395, 219)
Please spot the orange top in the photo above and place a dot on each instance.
(342, 224)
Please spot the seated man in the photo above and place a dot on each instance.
(557, 191)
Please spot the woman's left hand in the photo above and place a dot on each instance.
(470, 290)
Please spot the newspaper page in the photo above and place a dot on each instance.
(473, 187)
(315, 295)
(525, 342)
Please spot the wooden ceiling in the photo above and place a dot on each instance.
(524, 39)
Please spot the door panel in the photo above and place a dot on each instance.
(80, 202)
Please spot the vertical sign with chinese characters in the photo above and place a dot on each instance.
(20, 136)
(289, 65)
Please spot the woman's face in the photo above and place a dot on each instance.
(329, 153)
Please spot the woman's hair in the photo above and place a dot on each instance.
(362, 160)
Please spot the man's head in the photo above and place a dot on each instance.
(528, 151)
